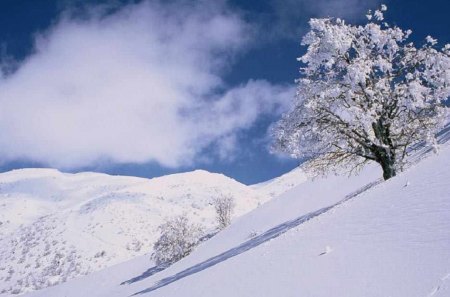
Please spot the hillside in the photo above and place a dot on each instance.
(56, 226)
(334, 236)
(279, 185)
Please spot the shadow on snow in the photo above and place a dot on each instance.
(158, 268)
(149, 272)
(249, 244)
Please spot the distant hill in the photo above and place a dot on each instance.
(56, 226)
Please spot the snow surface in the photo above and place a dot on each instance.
(56, 226)
(335, 236)
(279, 185)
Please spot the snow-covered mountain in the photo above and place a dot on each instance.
(56, 226)
(335, 236)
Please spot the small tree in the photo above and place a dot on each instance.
(177, 240)
(366, 94)
(224, 206)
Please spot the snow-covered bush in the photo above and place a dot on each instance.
(366, 94)
(177, 240)
(224, 206)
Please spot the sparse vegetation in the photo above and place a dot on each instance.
(224, 207)
(177, 240)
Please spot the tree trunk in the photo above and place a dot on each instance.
(388, 169)
(386, 159)
(383, 155)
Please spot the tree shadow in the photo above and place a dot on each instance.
(158, 268)
(149, 272)
(443, 136)
(251, 243)
(254, 242)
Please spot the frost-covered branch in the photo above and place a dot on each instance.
(366, 93)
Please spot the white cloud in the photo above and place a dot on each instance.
(137, 85)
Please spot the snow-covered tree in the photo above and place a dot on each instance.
(365, 94)
(177, 240)
(224, 206)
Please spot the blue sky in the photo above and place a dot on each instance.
(148, 88)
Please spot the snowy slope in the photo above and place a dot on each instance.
(279, 185)
(325, 237)
(56, 226)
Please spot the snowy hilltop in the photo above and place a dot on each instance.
(56, 226)
(330, 236)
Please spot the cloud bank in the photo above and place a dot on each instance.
(141, 84)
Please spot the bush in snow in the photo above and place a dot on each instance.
(366, 94)
(224, 206)
(177, 240)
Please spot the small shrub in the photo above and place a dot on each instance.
(224, 206)
(177, 240)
